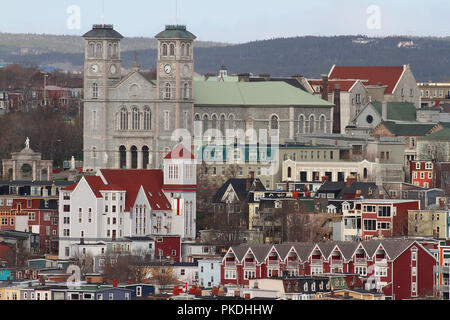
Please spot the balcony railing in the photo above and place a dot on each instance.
(272, 262)
(250, 264)
(317, 261)
(230, 263)
(361, 260)
(292, 264)
(336, 262)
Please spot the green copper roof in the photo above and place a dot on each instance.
(103, 31)
(175, 32)
(271, 93)
(404, 111)
(441, 135)
(408, 129)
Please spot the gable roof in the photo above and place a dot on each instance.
(267, 93)
(132, 180)
(179, 152)
(375, 75)
(402, 111)
(240, 188)
(441, 135)
(408, 129)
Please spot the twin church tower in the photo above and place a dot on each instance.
(129, 118)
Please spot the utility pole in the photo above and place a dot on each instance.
(45, 89)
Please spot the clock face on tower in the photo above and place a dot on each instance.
(113, 69)
(168, 68)
(95, 68)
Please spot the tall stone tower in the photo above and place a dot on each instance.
(102, 69)
(175, 73)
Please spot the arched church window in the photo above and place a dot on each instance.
(91, 50)
(214, 121)
(147, 119)
(205, 122)
(134, 157)
(99, 50)
(115, 50)
(168, 92)
(164, 49)
(123, 119)
(301, 124)
(274, 123)
(110, 53)
(322, 127)
(136, 119)
(94, 91)
(197, 125)
(188, 50)
(172, 49)
(222, 124)
(312, 124)
(231, 124)
(183, 50)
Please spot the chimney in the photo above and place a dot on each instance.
(248, 183)
(337, 109)
(384, 111)
(244, 77)
(325, 87)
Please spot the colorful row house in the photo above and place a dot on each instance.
(366, 219)
(398, 268)
(423, 173)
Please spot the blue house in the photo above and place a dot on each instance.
(6, 275)
(99, 293)
(141, 290)
(209, 272)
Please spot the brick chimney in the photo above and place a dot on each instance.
(337, 109)
(247, 187)
(325, 87)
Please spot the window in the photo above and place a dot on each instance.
(147, 119)
(123, 125)
(384, 211)
(94, 119)
(230, 274)
(168, 92)
(370, 225)
(139, 291)
(111, 296)
(94, 91)
(136, 116)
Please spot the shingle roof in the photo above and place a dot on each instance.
(132, 180)
(402, 111)
(384, 75)
(240, 187)
(408, 129)
(441, 135)
(268, 93)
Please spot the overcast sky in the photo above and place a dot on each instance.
(233, 21)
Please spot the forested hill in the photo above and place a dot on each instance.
(310, 56)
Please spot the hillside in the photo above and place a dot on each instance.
(310, 56)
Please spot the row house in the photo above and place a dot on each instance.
(35, 215)
(115, 205)
(399, 268)
(369, 218)
(423, 173)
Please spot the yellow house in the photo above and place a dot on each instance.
(11, 294)
(431, 223)
(2, 294)
(356, 294)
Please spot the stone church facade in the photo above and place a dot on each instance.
(129, 120)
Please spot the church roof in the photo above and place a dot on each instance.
(175, 32)
(270, 93)
(102, 31)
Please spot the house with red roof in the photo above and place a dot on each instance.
(119, 205)
(383, 83)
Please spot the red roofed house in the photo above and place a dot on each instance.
(361, 84)
(119, 204)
